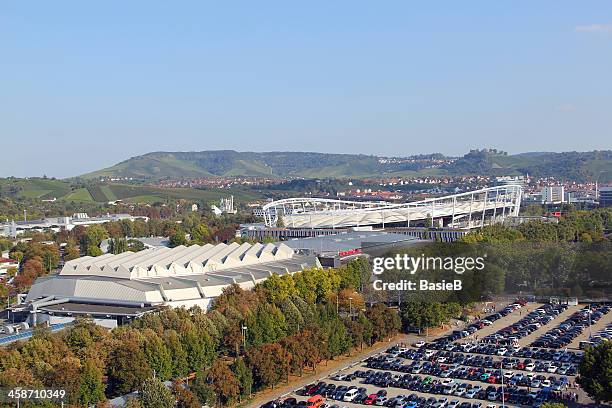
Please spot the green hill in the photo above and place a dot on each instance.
(596, 165)
(63, 190)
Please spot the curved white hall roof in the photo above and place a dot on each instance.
(178, 261)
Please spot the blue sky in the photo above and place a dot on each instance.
(84, 85)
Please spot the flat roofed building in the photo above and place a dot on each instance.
(605, 196)
(348, 243)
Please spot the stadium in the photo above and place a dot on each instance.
(471, 209)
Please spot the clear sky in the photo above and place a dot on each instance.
(85, 84)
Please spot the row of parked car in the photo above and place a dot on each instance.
(447, 387)
(473, 368)
(472, 328)
(527, 325)
(379, 399)
(565, 332)
(438, 362)
(424, 382)
(472, 349)
(602, 335)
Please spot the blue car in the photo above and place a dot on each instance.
(411, 404)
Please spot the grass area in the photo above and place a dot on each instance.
(80, 194)
(108, 193)
(34, 188)
(33, 193)
(148, 199)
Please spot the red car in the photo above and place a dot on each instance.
(370, 400)
(492, 380)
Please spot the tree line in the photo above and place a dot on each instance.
(247, 341)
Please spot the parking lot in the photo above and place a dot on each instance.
(487, 362)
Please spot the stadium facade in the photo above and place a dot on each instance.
(467, 210)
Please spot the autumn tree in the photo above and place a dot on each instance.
(127, 365)
(223, 381)
(184, 397)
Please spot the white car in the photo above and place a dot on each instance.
(508, 374)
(552, 368)
(530, 366)
(502, 351)
(350, 395)
(471, 393)
(419, 344)
(380, 401)
(545, 383)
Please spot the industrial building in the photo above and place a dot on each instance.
(55, 224)
(605, 196)
(111, 288)
(334, 250)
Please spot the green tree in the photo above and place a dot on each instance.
(596, 372)
(127, 367)
(94, 235)
(178, 355)
(244, 376)
(203, 390)
(91, 389)
(117, 245)
(71, 252)
(157, 355)
(201, 234)
(177, 238)
(93, 250)
(154, 394)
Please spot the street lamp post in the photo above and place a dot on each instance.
(244, 331)
(351, 308)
